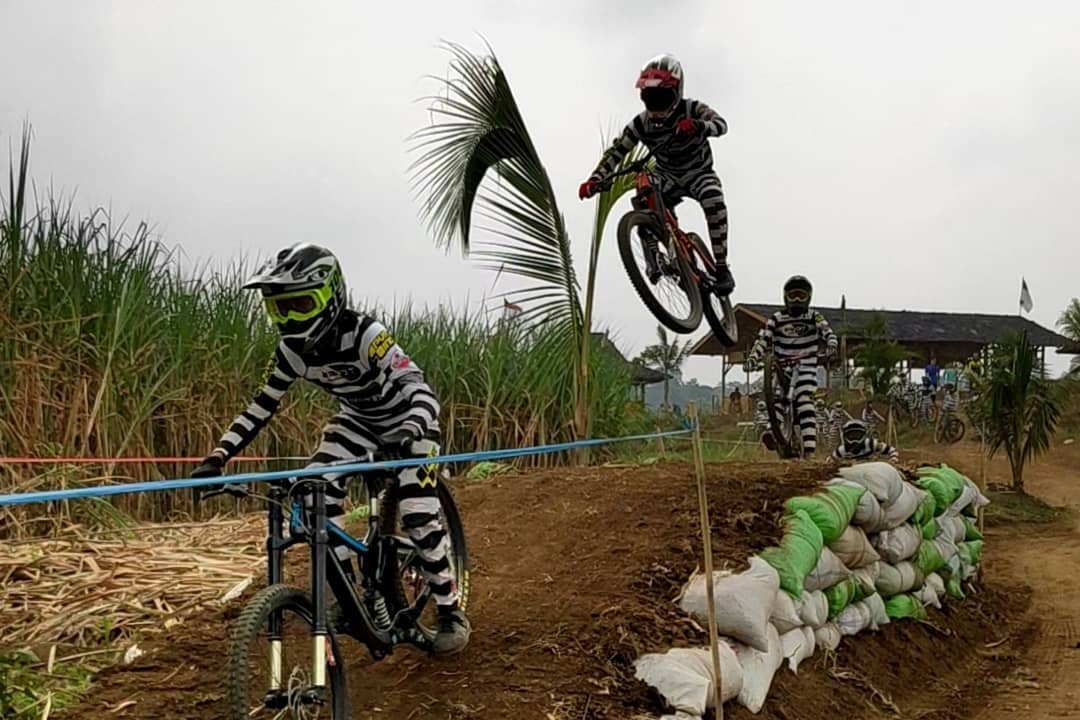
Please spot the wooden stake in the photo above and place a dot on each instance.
(706, 540)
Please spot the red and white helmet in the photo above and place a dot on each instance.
(661, 83)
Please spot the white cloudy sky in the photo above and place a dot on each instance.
(915, 155)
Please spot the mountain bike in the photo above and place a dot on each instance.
(950, 428)
(285, 658)
(779, 391)
(665, 264)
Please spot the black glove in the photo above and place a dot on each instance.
(401, 439)
(210, 467)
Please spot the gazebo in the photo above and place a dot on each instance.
(948, 337)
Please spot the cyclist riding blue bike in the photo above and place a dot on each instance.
(684, 164)
(385, 403)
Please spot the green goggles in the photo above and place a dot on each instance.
(299, 305)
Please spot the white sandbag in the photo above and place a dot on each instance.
(936, 582)
(868, 577)
(901, 509)
(758, 669)
(797, 645)
(680, 715)
(882, 480)
(827, 637)
(951, 528)
(899, 578)
(683, 676)
(743, 601)
(853, 619)
(878, 616)
(854, 548)
(928, 596)
(967, 497)
(813, 608)
(980, 500)
(897, 544)
(784, 615)
(829, 571)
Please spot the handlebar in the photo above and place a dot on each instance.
(373, 456)
(605, 182)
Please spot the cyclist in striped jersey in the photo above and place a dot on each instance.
(858, 444)
(384, 403)
(684, 162)
(794, 333)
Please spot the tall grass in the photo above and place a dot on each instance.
(109, 348)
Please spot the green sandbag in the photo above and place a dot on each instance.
(842, 594)
(927, 558)
(971, 552)
(954, 588)
(929, 528)
(939, 489)
(925, 511)
(831, 510)
(971, 530)
(905, 605)
(798, 553)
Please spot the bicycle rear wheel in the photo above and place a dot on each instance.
(780, 425)
(674, 299)
(404, 584)
(273, 679)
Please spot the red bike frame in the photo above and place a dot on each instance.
(649, 197)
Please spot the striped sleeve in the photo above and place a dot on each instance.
(764, 339)
(715, 125)
(614, 155)
(888, 450)
(280, 375)
(406, 380)
(825, 330)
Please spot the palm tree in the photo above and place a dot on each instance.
(1069, 325)
(478, 131)
(667, 356)
(1017, 408)
(879, 357)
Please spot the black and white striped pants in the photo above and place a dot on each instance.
(705, 187)
(345, 438)
(805, 378)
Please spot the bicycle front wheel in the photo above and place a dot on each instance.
(779, 424)
(273, 677)
(664, 283)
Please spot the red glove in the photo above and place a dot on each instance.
(688, 127)
(588, 188)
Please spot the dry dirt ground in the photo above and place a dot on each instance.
(573, 577)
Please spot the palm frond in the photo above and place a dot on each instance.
(478, 131)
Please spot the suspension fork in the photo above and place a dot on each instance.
(320, 544)
(275, 552)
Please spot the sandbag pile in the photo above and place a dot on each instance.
(868, 549)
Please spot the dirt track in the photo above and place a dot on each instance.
(573, 577)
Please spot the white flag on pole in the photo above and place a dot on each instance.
(1025, 296)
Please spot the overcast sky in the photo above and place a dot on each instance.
(918, 155)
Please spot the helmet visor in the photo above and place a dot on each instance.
(658, 99)
(854, 434)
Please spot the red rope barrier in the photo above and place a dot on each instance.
(126, 461)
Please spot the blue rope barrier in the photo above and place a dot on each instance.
(356, 467)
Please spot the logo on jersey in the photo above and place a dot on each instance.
(348, 373)
(399, 360)
(794, 330)
(380, 346)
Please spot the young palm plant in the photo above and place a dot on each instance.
(478, 132)
(667, 356)
(1069, 325)
(1017, 408)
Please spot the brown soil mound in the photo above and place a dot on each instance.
(573, 577)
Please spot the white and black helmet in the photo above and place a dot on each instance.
(854, 433)
(303, 291)
(661, 83)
